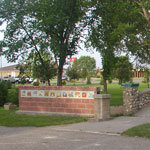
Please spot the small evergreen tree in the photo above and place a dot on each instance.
(123, 69)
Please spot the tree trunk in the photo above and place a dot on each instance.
(59, 76)
(49, 84)
(88, 80)
(105, 86)
(60, 70)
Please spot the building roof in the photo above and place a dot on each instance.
(9, 68)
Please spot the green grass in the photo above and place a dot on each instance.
(9, 118)
(140, 131)
(114, 89)
(142, 86)
(116, 92)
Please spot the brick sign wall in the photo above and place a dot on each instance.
(72, 100)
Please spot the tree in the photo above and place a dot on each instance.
(139, 44)
(147, 76)
(86, 66)
(22, 38)
(49, 69)
(32, 67)
(62, 21)
(110, 25)
(40, 25)
(123, 69)
(72, 73)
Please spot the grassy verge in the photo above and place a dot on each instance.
(11, 119)
(140, 131)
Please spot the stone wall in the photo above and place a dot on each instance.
(130, 99)
(144, 98)
(134, 100)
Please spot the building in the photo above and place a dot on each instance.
(9, 71)
(137, 73)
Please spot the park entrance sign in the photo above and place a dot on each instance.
(61, 100)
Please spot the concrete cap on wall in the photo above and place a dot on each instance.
(102, 96)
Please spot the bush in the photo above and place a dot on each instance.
(8, 84)
(63, 82)
(101, 81)
(4, 86)
(88, 80)
(23, 80)
(144, 80)
(110, 81)
(36, 83)
(12, 96)
(98, 76)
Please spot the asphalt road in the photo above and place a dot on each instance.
(49, 138)
(81, 136)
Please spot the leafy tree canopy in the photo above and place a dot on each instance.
(86, 66)
(72, 73)
(32, 67)
(40, 25)
(114, 25)
(49, 68)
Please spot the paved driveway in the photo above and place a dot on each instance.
(50, 139)
(81, 136)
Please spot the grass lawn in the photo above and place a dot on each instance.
(114, 89)
(140, 131)
(10, 119)
(116, 92)
(142, 86)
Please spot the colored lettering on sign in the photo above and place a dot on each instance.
(57, 94)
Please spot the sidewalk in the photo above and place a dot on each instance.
(114, 126)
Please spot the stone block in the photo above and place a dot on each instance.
(10, 107)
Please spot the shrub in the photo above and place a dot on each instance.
(98, 76)
(23, 80)
(36, 83)
(3, 92)
(8, 84)
(88, 80)
(144, 80)
(12, 96)
(63, 82)
(102, 81)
